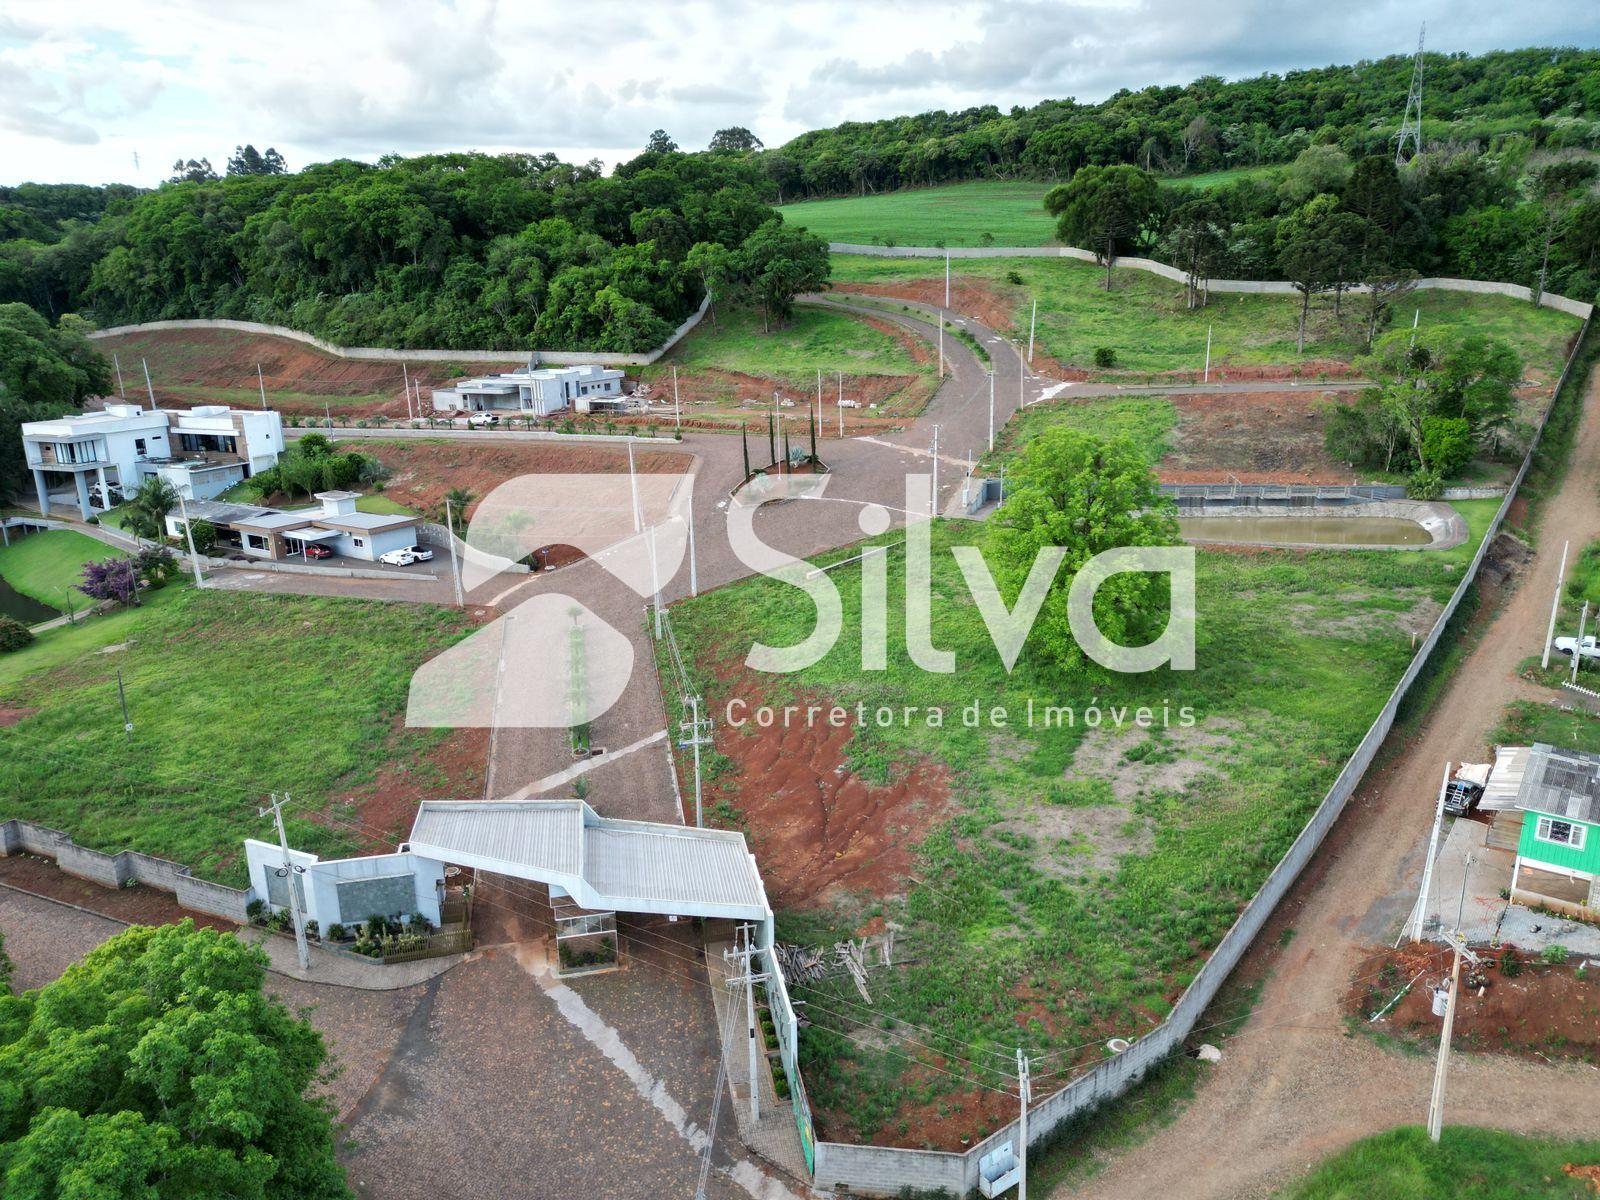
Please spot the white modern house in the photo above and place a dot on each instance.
(272, 533)
(537, 392)
(90, 459)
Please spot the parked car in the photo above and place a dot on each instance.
(1590, 647)
(1461, 797)
(483, 418)
(317, 550)
(398, 558)
(422, 554)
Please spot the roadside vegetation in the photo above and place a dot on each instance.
(231, 695)
(1467, 1164)
(1080, 872)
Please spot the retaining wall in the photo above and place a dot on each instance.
(553, 358)
(124, 867)
(882, 1170)
(1263, 287)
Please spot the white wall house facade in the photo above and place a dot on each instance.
(86, 461)
(274, 534)
(346, 891)
(538, 393)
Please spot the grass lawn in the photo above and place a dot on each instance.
(1144, 318)
(1081, 874)
(46, 565)
(1011, 212)
(1467, 1164)
(250, 397)
(231, 695)
(376, 503)
(815, 338)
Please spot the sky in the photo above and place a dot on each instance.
(97, 91)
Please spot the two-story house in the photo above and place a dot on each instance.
(92, 459)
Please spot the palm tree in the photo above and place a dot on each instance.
(147, 511)
(458, 498)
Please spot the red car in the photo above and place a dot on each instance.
(317, 550)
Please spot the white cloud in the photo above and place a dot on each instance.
(84, 87)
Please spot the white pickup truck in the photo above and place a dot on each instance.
(1588, 648)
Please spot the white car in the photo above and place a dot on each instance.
(481, 419)
(398, 558)
(1590, 647)
(421, 554)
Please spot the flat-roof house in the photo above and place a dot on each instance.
(538, 392)
(1558, 849)
(89, 459)
(271, 533)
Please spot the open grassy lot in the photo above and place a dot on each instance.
(1011, 212)
(46, 565)
(1467, 1164)
(1080, 866)
(1144, 319)
(231, 695)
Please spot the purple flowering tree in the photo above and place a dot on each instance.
(111, 579)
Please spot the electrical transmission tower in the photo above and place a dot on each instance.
(1411, 124)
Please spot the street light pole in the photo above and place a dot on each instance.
(288, 872)
(1555, 606)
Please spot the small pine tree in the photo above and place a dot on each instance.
(814, 437)
(772, 441)
(788, 459)
(744, 444)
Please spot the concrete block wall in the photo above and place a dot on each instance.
(883, 1171)
(124, 867)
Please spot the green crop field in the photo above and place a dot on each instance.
(230, 694)
(1081, 873)
(46, 565)
(1467, 1164)
(1010, 212)
(1146, 321)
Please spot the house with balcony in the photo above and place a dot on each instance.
(532, 392)
(89, 461)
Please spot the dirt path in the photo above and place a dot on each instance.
(1292, 1087)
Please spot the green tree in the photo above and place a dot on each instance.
(1085, 495)
(1557, 188)
(715, 265)
(660, 142)
(247, 160)
(1315, 170)
(157, 1068)
(734, 139)
(1446, 444)
(1106, 209)
(145, 514)
(1199, 243)
(779, 262)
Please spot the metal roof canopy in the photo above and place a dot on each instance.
(1562, 783)
(602, 863)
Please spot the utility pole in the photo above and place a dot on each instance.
(1207, 377)
(1441, 1069)
(991, 408)
(941, 345)
(1416, 319)
(946, 279)
(287, 873)
(748, 978)
(194, 559)
(116, 362)
(694, 572)
(1555, 606)
(405, 374)
(450, 540)
(698, 728)
(677, 404)
(1577, 651)
(122, 695)
(1427, 867)
(841, 403)
(1024, 1097)
(261, 382)
(1032, 321)
(149, 387)
(933, 504)
(1022, 371)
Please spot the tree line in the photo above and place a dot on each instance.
(1548, 98)
(456, 251)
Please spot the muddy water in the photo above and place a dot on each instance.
(24, 608)
(1321, 531)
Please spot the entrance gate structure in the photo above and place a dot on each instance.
(607, 865)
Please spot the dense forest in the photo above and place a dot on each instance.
(1548, 98)
(451, 250)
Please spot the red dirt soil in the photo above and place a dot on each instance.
(425, 470)
(1542, 1014)
(1260, 437)
(137, 903)
(818, 830)
(185, 363)
(12, 714)
(717, 399)
(452, 770)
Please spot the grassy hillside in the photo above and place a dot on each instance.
(1467, 1164)
(45, 566)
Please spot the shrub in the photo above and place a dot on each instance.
(1446, 443)
(1105, 358)
(1014, 277)
(1510, 964)
(204, 534)
(14, 635)
(255, 911)
(419, 923)
(1555, 955)
(313, 930)
(282, 920)
(337, 932)
(1424, 485)
(92, 520)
